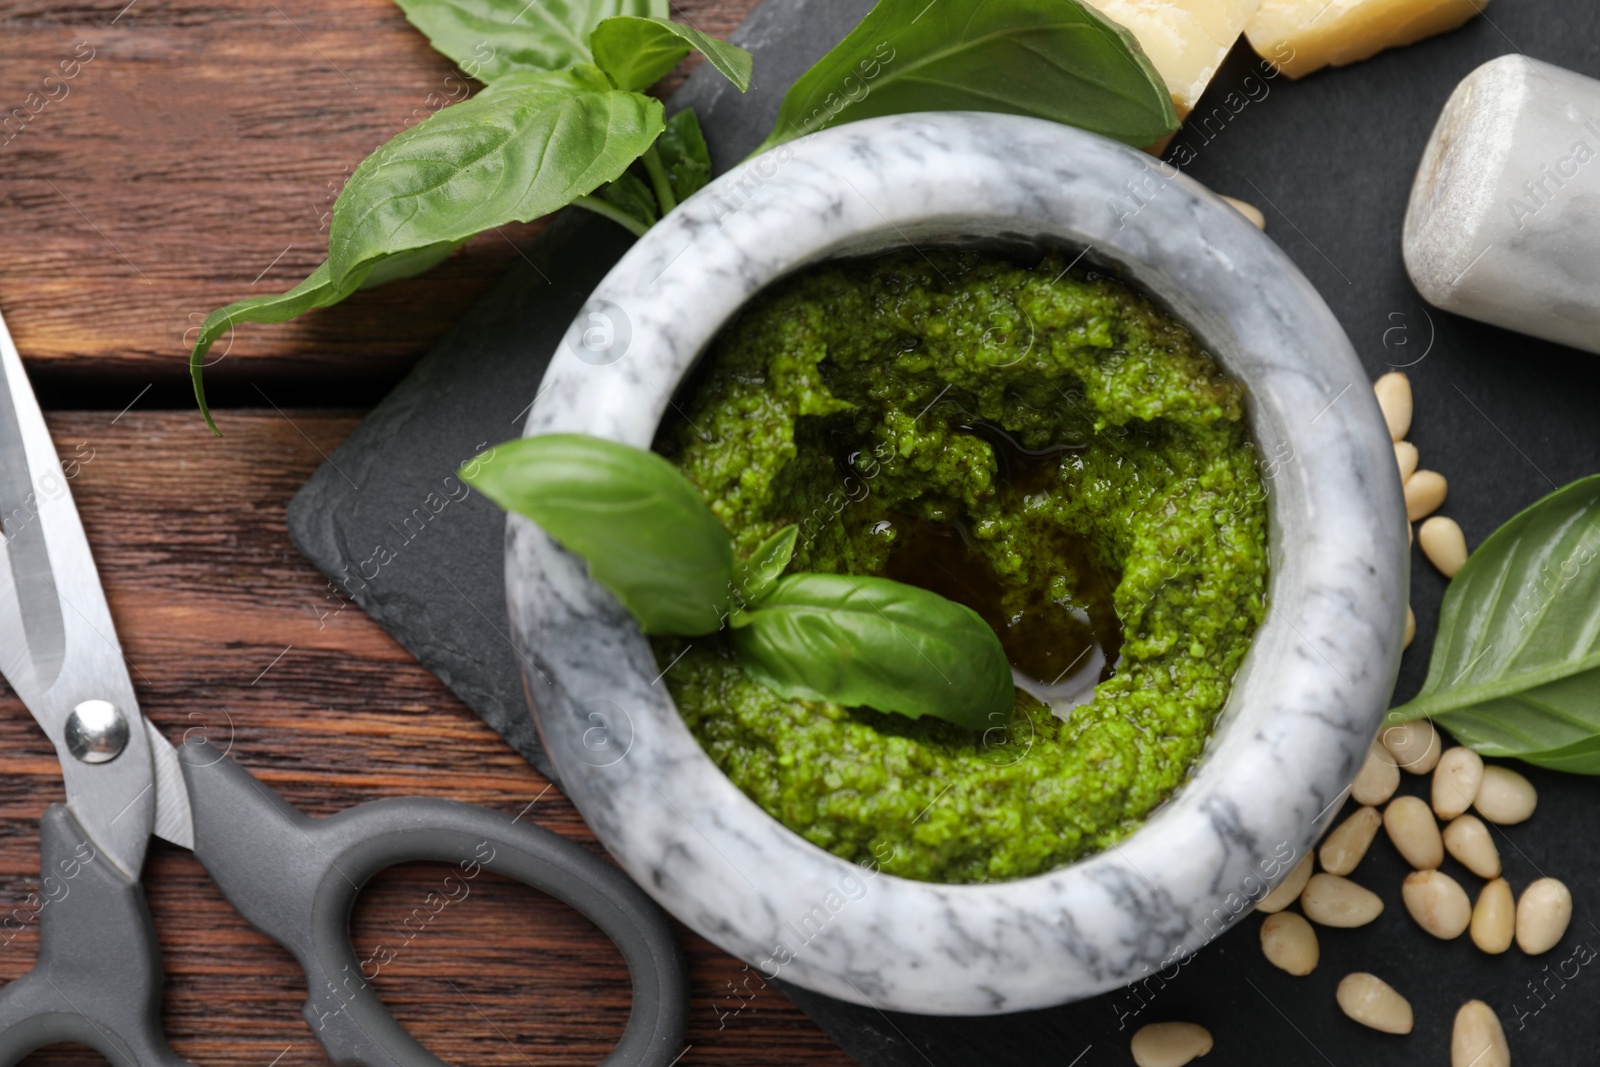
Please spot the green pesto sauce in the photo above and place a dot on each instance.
(870, 402)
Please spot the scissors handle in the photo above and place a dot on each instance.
(296, 878)
(98, 977)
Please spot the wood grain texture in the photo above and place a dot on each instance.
(190, 160)
(228, 629)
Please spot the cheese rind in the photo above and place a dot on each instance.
(1185, 39)
(1300, 36)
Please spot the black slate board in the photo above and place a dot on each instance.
(1506, 418)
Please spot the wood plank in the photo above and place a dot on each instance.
(191, 160)
(228, 629)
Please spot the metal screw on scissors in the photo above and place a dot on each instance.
(98, 977)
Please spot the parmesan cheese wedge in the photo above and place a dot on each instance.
(1300, 36)
(1185, 39)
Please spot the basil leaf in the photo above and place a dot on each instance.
(491, 38)
(1516, 662)
(512, 153)
(876, 643)
(316, 291)
(641, 525)
(638, 52)
(757, 575)
(1053, 59)
(683, 152)
(632, 197)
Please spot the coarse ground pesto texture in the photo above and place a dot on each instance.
(863, 399)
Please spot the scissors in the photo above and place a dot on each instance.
(295, 878)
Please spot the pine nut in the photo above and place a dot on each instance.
(1329, 900)
(1344, 846)
(1411, 623)
(1249, 211)
(1379, 777)
(1289, 943)
(1289, 889)
(1394, 397)
(1444, 544)
(1438, 903)
(1455, 781)
(1477, 1040)
(1542, 916)
(1371, 1001)
(1494, 917)
(1169, 1044)
(1405, 456)
(1411, 826)
(1425, 492)
(1471, 843)
(1505, 797)
(1415, 746)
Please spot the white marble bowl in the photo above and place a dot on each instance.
(1304, 708)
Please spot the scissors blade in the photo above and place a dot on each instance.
(58, 647)
(174, 819)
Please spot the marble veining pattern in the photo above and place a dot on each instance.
(1305, 706)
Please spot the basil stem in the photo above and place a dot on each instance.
(659, 180)
(606, 209)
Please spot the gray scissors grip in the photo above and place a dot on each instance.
(296, 878)
(98, 977)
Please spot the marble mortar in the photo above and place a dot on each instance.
(1306, 704)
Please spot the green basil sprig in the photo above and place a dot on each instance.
(1516, 663)
(650, 538)
(1053, 59)
(562, 121)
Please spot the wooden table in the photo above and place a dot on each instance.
(192, 161)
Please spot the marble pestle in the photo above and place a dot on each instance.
(1503, 225)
